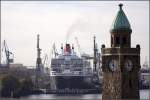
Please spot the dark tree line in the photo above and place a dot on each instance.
(11, 86)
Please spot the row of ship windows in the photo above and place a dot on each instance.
(64, 59)
(58, 70)
(80, 72)
(72, 70)
(68, 62)
(76, 68)
(67, 65)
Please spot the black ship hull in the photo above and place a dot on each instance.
(72, 82)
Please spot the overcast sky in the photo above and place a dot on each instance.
(58, 21)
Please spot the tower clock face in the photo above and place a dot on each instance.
(113, 65)
(128, 65)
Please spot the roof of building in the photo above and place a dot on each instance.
(120, 22)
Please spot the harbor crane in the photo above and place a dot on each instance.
(39, 61)
(54, 50)
(96, 64)
(39, 66)
(45, 60)
(82, 54)
(95, 51)
(45, 63)
(9, 55)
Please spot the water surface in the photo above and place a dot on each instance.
(144, 94)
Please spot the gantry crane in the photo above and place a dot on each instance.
(96, 64)
(9, 55)
(55, 50)
(39, 66)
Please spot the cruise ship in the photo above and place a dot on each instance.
(69, 71)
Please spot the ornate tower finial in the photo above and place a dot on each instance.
(120, 6)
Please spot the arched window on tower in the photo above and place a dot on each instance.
(117, 40)
(130, 83)
(124, 40)
(112, 40)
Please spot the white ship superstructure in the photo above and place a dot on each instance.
(70, 71)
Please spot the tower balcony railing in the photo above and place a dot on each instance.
(125, 51)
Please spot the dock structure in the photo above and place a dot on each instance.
(73, 91)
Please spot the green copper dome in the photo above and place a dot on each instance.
(121, 23)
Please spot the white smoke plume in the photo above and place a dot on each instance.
(81, 25)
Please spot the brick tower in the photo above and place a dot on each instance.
(120, 62)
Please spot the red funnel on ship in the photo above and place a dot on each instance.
(67, 49)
